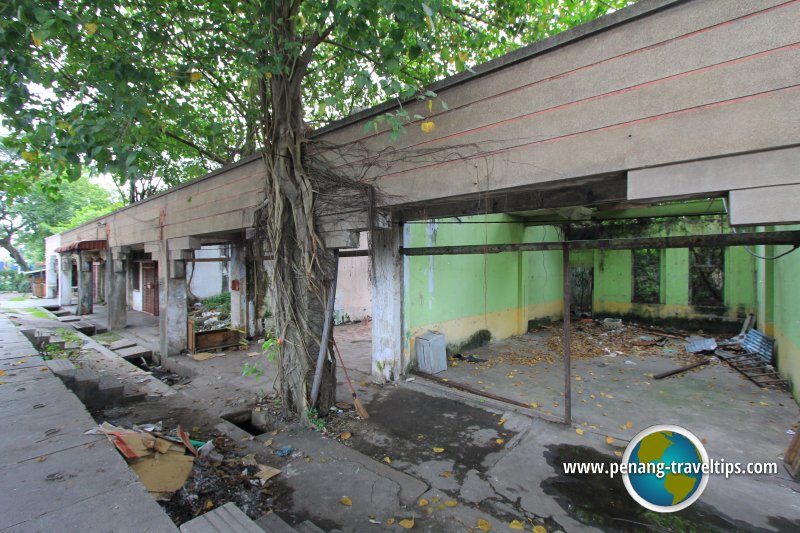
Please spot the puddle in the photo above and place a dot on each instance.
(600, 501)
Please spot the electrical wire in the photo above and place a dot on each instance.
(747, 248)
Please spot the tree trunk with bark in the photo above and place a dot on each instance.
(302, 264)
(15, 254)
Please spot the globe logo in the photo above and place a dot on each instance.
(665, 468)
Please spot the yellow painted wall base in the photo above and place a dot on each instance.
(501, 324)
(652, 311)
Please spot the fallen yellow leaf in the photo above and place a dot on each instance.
(344, 435)
(346, 501)
(763, 403)
(534, 405)
(579, 431)
(436, 449)
(483, 525)
(499, 441)
(539, 529)
(435, 499)
(390, 521)
(446, 473)
(2, 372)
(426, 127)
(407, 523)
(423, 502)
(502, 421)
(609, 440)
(629, 424)
(451, 503)
(387, 460)
(516, 524)
(618, 453)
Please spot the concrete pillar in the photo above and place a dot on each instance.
(238, 287)
(85, 284)
(117, 296)
(51, 277)
(387, 305)
(173, 316)
(65, 280)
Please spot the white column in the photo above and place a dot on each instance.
(387, 305)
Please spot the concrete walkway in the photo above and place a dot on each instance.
(52, 476)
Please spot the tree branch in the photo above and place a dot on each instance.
(202, 151)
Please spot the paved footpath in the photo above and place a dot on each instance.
(52, 476)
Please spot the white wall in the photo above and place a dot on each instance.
(51, 265)
(208, 279)
(353, 292)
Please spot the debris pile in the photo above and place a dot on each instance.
(160, 460)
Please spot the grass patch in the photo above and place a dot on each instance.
(38, 312)
(18, 299)
(107, 338)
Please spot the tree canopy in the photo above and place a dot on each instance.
(166, 88)
(169, 90)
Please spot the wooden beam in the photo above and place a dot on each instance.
(683, 241)
(353, 253)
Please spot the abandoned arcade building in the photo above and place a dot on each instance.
(586, 209)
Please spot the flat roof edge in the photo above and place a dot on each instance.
(606, 22)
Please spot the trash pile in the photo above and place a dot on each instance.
(210, 314)
(190, 477)
(160, 460)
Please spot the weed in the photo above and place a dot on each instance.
(252, 370)
(313, 418)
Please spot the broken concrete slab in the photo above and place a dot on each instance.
(122, 343)
(69, 318)
(135, 352)
(220, 520)
(272, 523)
(87, 328)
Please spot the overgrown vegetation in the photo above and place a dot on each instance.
(178, 88)
(13, 281)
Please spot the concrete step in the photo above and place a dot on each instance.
(135, 352)
(87, 328)
(222, 519)
(308, 527)
(64, 369)
(273, 523)
(122, 343)
(69, 318)
(61, 312)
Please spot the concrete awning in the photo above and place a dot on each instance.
(75, 246)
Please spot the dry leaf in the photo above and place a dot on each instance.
(534, 405)
(539, 529)
(609, 440)
(436, 449)
(407, 523)
(387, 460)
(446, 473)
(435, 499)
(40, 459)
(618, 453)
(426, 127)
(516, 524)
(450, 503)
(423, 502)
(2, 372)
(502, 421)
(344, 435)
(763, 403)
(499, 441)
(268, 442)
(346, 501)
(483, 525)
(579, 431)
(628, 424)
(390, 521)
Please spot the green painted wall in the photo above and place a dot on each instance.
(675, 276)
(461, 295)
(785, 309)
(613, 284)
